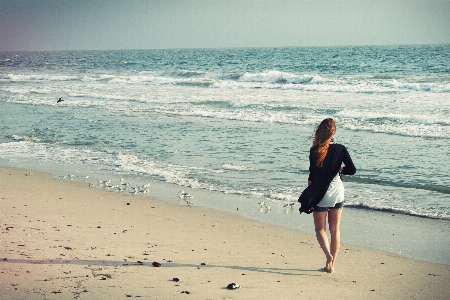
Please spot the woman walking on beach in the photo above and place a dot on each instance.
(324, 196)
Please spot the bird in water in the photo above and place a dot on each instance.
(60, 100)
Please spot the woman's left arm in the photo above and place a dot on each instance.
(349, 168)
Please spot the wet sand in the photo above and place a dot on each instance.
(62, 239)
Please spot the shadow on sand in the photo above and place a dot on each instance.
(113, 263)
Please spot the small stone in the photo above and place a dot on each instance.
(233, 286)
(175, 279)
(156, 264)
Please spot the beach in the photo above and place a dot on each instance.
(62, 239)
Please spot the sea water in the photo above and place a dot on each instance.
(235, 122)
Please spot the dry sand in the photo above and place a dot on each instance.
(65, 240)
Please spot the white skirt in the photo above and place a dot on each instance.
(335, 193)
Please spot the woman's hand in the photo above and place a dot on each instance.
(309, 182)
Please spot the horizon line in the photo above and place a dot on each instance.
(230, 48)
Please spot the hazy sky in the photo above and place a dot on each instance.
(146, 24)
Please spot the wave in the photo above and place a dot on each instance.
(231, 166)
(402, 124)
(411, 212)
(398, 118)
(168, 173)
(318, 83)
(272, 79)
(410, 130)
(395, 123)
(384, 76)
(196, 83)
(382, 182)
(185, 176)
(216, 104)
(358, 121)
(49, 141)
(23, 138)
(278, 77)
(38, 77)
(189, 73)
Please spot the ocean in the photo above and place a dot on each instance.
(234, 122)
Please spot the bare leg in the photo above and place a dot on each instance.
(334, 221)
(320, 224)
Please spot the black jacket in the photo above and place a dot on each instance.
(321, 177)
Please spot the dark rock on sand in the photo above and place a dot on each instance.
(156, 264)
(233, 286)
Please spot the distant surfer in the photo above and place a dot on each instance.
(59, 100)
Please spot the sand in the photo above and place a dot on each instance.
(62, 239)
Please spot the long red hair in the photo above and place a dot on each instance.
(322, 137)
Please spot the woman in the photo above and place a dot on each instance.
(324, 196)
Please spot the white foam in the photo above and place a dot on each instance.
(24, 138)
(181, 175)
(30, 149)
(389, 207)
(274, 76)
(272, 79)
(395, 123)
(231, 166)
(40, 77)
(168, 173)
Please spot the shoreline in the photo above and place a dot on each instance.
(63, 239)
(401, 234)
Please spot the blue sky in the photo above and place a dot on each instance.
(155, 24)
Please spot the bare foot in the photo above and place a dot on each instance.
(329, 265)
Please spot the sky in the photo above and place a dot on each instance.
(47, 25)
